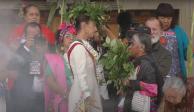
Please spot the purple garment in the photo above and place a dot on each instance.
(172, 46)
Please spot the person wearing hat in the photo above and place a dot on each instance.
(58, 76)
(165, 13)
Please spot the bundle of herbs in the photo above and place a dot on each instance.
(116, 62)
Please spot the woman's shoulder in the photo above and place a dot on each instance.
(147, 63)
(177, 28)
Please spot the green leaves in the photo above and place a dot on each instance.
(190, 50)
(116, 62)
(51, 13)
(94, 10)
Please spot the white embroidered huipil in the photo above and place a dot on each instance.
(99, 71)
(84, 83)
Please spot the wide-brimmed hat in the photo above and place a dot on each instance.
(165, 9)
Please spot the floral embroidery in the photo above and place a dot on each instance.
(91, 50)
(163, 41)
(172, 46)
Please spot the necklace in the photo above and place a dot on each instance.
(91, 50)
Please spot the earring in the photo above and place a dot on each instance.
(62, 48)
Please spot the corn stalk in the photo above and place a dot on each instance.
(62, 10)
(52, 13)
(56, 5)
(190, 51)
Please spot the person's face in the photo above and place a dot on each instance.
(166, 22)
(173, 96)
(96, 37)
(32, 32)
(90, 29)
(32, 15)
(135, 46)
(41, 48)
(156, 30)
(67, 41)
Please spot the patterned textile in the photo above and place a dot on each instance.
(172, 46)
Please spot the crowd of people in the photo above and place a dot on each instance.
(71, 79)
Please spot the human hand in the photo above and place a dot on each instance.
(121, 92)
(90, 101)
(126, 82)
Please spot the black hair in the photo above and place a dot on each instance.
(81, 18)
(166, 10)
(40, 40)
(57, 37)
(124, 20)
(25, 9)
(31, 24)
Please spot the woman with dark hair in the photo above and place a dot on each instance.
(58, 76)
(26, 95)
(84, 94)
(30, 13)
(144, 88)
(175, 34)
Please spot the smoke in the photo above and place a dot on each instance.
(8, 19)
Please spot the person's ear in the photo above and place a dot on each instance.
(83, 25)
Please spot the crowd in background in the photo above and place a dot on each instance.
(71, 79)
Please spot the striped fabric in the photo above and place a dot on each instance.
(153, 106)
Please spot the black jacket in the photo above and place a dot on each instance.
(162, 58)
(22, 96)
(148, 73)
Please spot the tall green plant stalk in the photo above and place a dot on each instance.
(61, 5)
(62, 10)
(190, 51)
(52, 13)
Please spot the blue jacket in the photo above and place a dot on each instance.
(183, 42)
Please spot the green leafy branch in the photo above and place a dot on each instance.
(116, 62)
(94, 10)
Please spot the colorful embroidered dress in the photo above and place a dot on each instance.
(171, 45)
